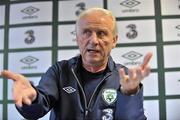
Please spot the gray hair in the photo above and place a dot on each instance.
(104, 11)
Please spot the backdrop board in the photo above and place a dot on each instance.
(2, 12)
(34, 34)
(30, 37)
(1, 39)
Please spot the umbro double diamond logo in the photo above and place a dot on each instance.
(69, 89)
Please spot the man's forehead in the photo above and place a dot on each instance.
(95, 28)
(95, 21)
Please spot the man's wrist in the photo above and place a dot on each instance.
(130, 92)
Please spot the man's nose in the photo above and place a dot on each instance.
(94, 38)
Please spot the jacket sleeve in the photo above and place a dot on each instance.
(47, 95)
(130, 107)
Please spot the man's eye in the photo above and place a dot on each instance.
(101, 33)
(87, 32)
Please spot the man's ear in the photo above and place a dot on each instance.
(115, 38)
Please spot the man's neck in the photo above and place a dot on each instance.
(95, 69)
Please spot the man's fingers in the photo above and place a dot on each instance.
(26, 100)
(18, 101)
(122, 73)
(8, 74)
(132, 74)
(146, 59)
(123, 76)
(146, 71)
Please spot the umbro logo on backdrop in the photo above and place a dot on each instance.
(130, 6)
(130, 3)
(29, 60)
(69, 89)
(30, 12)
(133, 57)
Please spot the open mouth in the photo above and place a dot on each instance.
(92, 50)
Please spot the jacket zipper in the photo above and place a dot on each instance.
(84, 96)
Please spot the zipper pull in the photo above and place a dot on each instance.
(86, 112)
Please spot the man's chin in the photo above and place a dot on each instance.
(94, 62)
(93, 59)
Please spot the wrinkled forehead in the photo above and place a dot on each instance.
(95, 19)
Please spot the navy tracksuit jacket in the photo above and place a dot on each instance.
(60, 91)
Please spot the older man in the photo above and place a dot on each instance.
(88, 86)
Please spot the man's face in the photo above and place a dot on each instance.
(95, 38)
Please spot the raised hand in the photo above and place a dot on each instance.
(23, 92)
(130, 83)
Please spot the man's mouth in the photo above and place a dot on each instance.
(92, 50)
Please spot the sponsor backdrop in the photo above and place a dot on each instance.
(34, 34)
